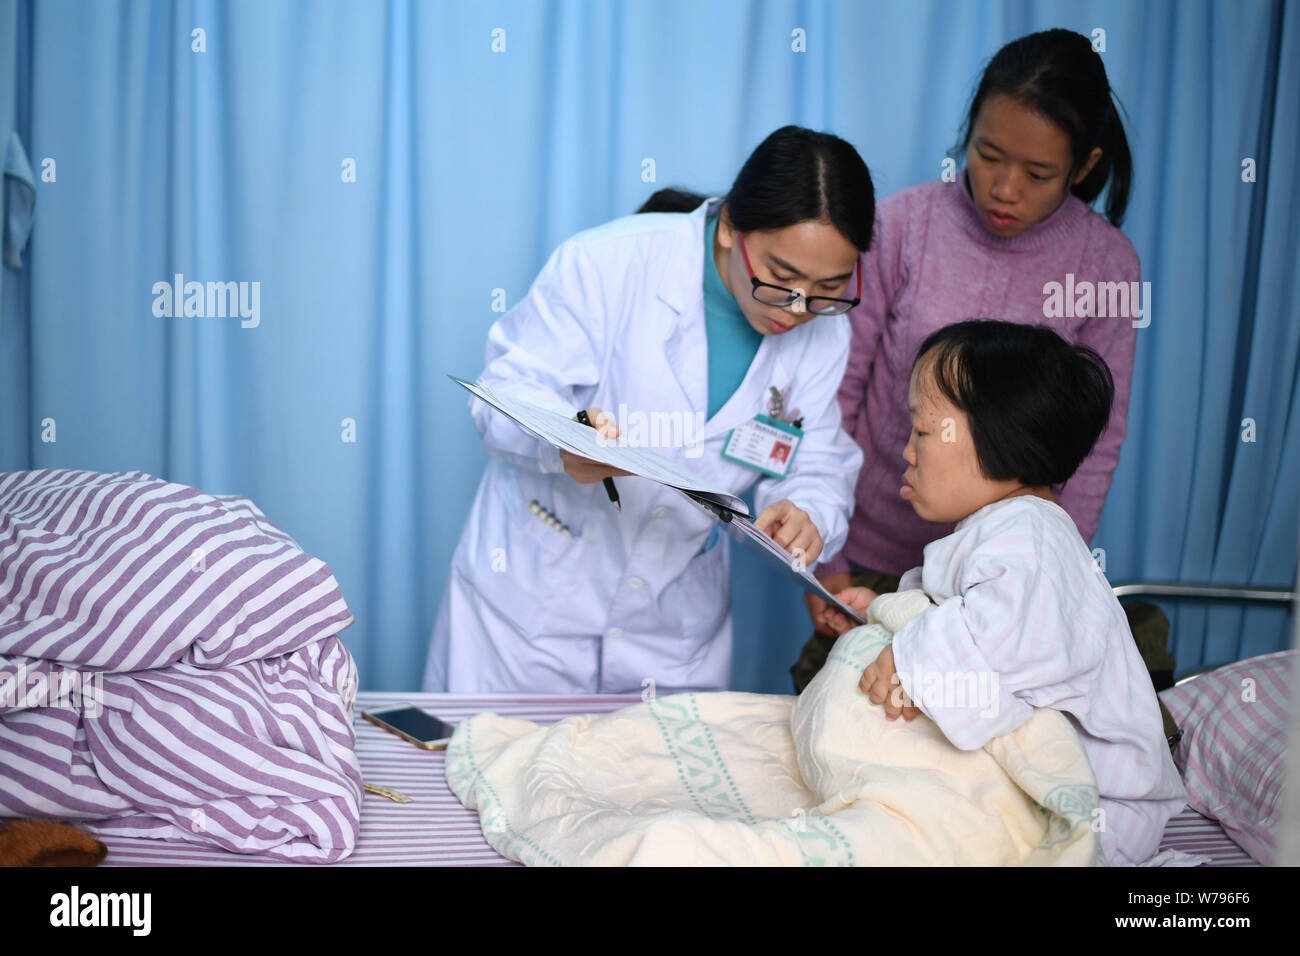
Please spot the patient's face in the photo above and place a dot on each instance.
(942, 482)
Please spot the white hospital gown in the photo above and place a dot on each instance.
(1025, 619)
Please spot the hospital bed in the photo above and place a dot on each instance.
(293, 652)
(435, 830)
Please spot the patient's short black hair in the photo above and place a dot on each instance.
(1036, 403)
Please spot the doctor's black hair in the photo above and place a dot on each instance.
(1058, 74)
(798, 174)
(1036, 404)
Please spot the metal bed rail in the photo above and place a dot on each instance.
(1212, 592)
(1243, 594)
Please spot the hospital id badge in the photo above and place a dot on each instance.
(765, 444)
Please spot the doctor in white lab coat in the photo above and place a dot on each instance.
(553, 590)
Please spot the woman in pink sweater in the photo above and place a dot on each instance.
(1011, 236)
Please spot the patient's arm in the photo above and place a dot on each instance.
(980, 662)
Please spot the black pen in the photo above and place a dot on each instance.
(609, 482)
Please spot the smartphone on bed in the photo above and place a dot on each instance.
(411, 723)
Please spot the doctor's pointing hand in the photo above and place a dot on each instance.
(792, 528)
(721, 325)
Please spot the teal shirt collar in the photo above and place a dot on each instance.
(730, 340)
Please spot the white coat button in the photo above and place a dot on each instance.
(659, 512)
(616, 632)
(635, 583)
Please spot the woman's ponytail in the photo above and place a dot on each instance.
(1115, 145)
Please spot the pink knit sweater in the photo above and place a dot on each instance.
(933, 262)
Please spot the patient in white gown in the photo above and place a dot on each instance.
(1001, 413)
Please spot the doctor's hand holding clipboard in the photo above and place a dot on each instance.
(584, 470)
(715, 338)
(783, 521)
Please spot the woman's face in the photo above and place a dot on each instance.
(1019, 166)
(943, 481)
(812, 256)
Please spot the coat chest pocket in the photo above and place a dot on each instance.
(519, 562)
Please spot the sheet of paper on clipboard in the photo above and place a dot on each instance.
(567, 434)
(744, 531)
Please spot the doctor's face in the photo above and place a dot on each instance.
(943, 481)
(811, 256)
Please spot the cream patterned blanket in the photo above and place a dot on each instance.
(752, 779)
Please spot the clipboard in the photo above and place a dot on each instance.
(566, 434)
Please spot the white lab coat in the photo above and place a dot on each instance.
(628, 602)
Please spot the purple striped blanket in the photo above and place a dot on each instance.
(170, 667)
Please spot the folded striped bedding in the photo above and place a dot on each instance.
(170, 668)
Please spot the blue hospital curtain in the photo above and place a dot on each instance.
(376, 176)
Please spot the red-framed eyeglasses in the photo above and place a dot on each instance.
(783, 297)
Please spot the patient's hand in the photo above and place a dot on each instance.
(857, 598)
(880, 683)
